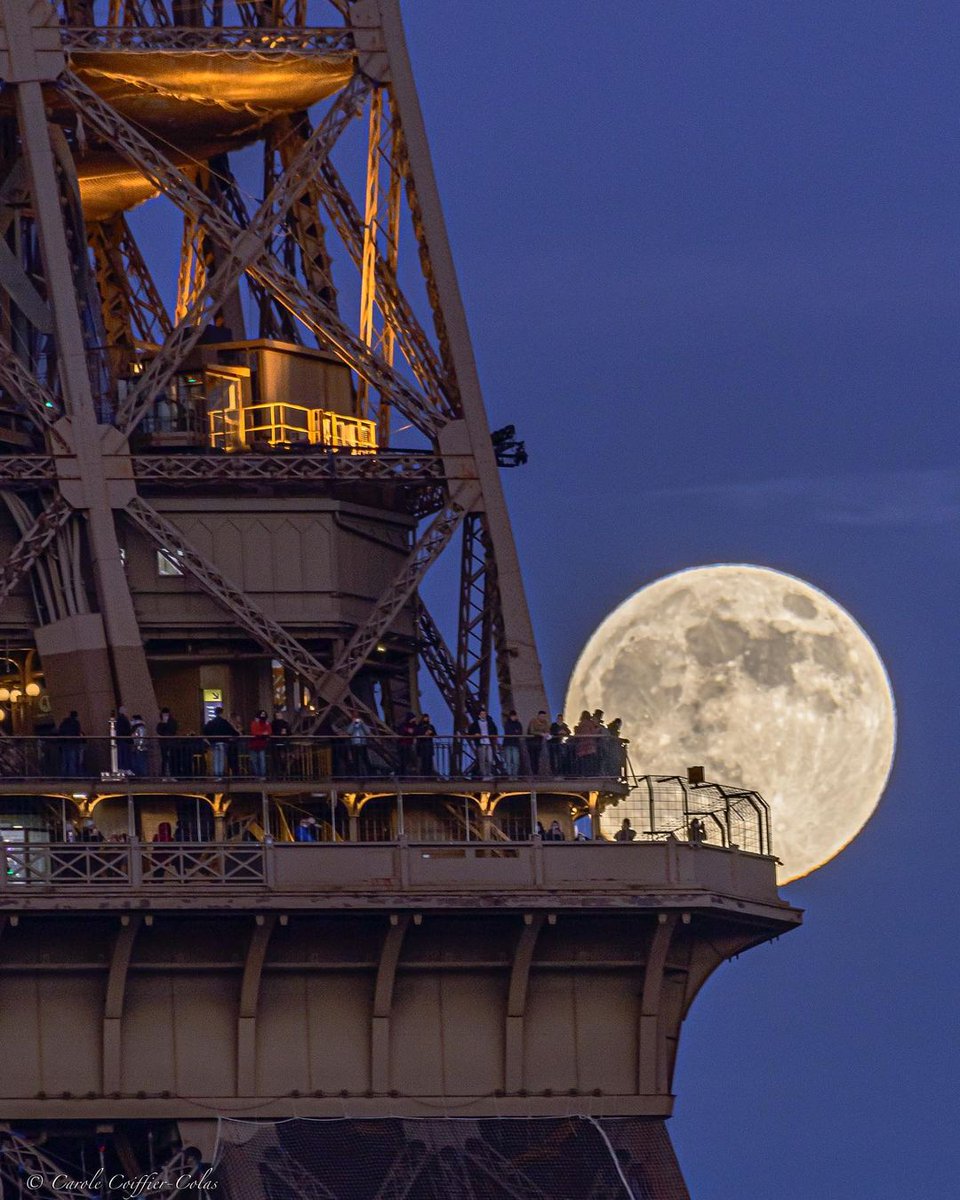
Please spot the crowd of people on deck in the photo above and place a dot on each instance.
(267, 746)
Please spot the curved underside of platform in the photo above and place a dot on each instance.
(194, 104)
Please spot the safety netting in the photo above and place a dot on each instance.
(574, 1158)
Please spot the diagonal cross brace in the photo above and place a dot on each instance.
(41, 405)
(33, 544)
(245, 249)
(289, 292)
(436, 655)
(428, 548)
(249, 616)
(346, 219)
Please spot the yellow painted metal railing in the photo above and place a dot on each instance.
(280, 424)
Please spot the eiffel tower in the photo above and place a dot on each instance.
(250, 479)
(245, 465)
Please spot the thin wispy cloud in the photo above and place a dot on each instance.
(893, 498)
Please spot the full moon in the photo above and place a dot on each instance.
(763, 680)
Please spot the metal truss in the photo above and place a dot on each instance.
(133, 311)
(278, 467)
(21, 1161)
(475, 624)
(306, 230)
(397, 311)
(288, 290)
(436, 656)
(429, 546)
(26, 470)
(248, 615)
(245, 247)
(270, 42)
(32, 545)
(280, 254)
(37, 401)
(381, 225)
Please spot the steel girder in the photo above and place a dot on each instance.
(248, 615)
(331, 331)
(436, 656)
(133, 311)
(475, 623)
(431, 543)
(445, 403)
(33, 544)
(38, 402)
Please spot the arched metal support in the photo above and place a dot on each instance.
(517, 1002)
(383, 1002)
(249, 1000)
(113, 1004)
(652, 1068)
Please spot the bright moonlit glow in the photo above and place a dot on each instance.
(764, 680)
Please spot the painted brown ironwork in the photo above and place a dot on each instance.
(33, 545)
(280, 254)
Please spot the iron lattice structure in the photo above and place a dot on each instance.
(107, 103)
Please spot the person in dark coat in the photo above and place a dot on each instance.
(220, 734)
(425, 733)
(71, 748)
(123, 729)
(484, 732)
(512, 736)
(166, 732)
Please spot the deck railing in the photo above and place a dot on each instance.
(309, 759)
(48, 873)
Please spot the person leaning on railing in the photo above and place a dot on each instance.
(166, 732)
(259, 739)
(585, 745)
(219, 732)
(425, 734)
(557, 746)
(71, 748)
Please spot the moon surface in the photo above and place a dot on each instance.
(765, 681)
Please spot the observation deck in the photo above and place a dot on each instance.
(426, 909)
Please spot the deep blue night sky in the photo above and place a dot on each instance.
(709, 254)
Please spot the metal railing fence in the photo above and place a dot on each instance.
(305, 759)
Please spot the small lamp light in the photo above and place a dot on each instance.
(15, 695)
(3, 715)
(4, 694)
(33, 690)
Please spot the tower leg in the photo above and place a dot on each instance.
(130, 675)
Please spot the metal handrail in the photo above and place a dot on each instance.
(309, 759)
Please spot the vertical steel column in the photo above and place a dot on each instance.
(470, 434)
(29, 61)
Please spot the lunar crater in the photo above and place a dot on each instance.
(769, 687)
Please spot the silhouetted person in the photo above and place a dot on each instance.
(220, 733)
(71, 749)
(538, 731)
(279, 732)
(559, 732)
(512, 734)
(425, 733)
(124, 734)
(484, 731)
(259, 740)
(359, 734)
(626, 832)
(407, 732)
(696, 831)
(169, 756)
(138, 754)
(89, 832)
